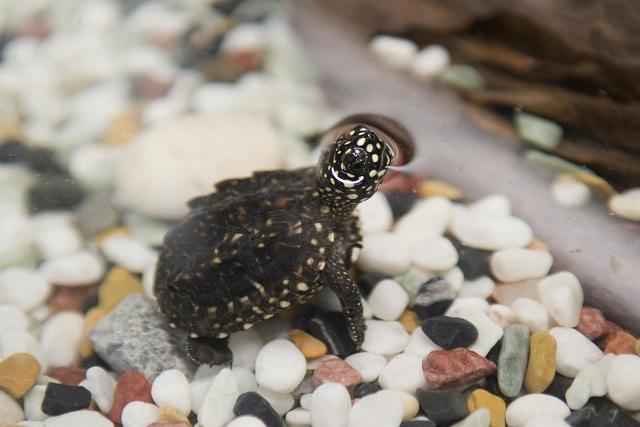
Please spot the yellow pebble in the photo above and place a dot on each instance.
(409, 320)
(112, 231)
(18, 373)
(91, 319)
(435, 187)
(538, 245)
(167, 414)
(483, 399)
(118, 285)
(309, 345)
(594, 182)
(122, 128)
(542, 362)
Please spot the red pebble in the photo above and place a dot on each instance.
(452, 368)
(68, 375)
(592, 323)
(72, 297)
(618, 341)
(336, 371)
(132, 386)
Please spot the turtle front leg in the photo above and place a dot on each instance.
(208, 351)
(349, 295)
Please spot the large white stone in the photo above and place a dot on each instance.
(384, 253)
(514, 265)
(623, 381)
(217, 406)
(33, 403)
(495, 204)
(574, 351)
(127, 252)
(388, 300)
(61, 337)
(246, 421)
(430, 61)
(330, 405)
(528, 407)
(562, 296)
(23, 288)
(139, 414)
(490, 232)
(178, 159)
(375, 215)
(590, 381)
(404, 373)
(77, 269)
(55, 235)
(171, 388)
(428, 219)
(22, 342)
(437, 254)
(102, 386)
(13, 319)
(10, 410)
(531, 313)
(384, 337)
(280, 366)
(377, 409)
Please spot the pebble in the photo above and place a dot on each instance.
(541, 367)
(331, 328)
(513, 358)
(590, 381)
(13, 319)
(418, 422)
(428, 219)
(384, 337)
(139, 414)
(482, 287)
(610, 416)
(435, 187)
(253, 404)
(377, 409)
(394, 51)
(489, 333)
(171, 388)
(116, 287)
(538, 131)
(68, 375)
(54, 191)
(245, 378)
(501, 314)
(623, 381)
(437, 254)
(493, 204)
(562, 296)
(102, 387)
(410, 404)
(55, 234)
(450, 332)
(467, 303)
(570, 192)
(618, 342)
(473, 262)
(91, 319)
(526, 408)
(60, 399)
(547, 421)
(420, 345)
(336, 371)
(400, 200)
(574, 351)
(361, 390)
(452, 368)
(280, 366)
(131, 386)
(515, 265)
(330, 406)
(532, 314)
(443, 407)
(22, 342)
(78, 269)
(79, 418)
(297, 417)
(430, 61)
(310, 346)
(592, 323)
(23, 288)
(497, 408)
(61, 337)
(507, 293)
(375, 215)
(245, 346)
(434, 297)
(33, 403)
(247, 421)
(10, 410)
(410, 320)
(281, 402)
(626, 204)
(490, 232)
(388, 300)
(18, 373)
(384, 253)
(479, 418)
(134, 336)
(368, 365)
(217, 407)
(403, 373)
(559, 386)
(128, 253)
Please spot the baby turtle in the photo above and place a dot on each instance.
(259, 244)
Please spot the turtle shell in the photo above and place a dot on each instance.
(250, 249)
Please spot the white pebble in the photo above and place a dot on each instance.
(171, 388)
(531, 313)
(78, 269)
(148, 280)
(562, 296)
(482, 287)
(377, 409)
(623, 381)
(502, 314)
(246, 421)
(420, 345)
(23, 288)
(298, 417)
(384, 337)
(528, 407)
(388, 300)
(55, 235)
(455, 277)
(591, 381)
(280, 366)
(281, 402)
(102, 386)
(495, 204)
(384, 253)
(139, 414)
(33, 403)
(478, 418)
(13, 320)
(435, 254)
(464, 303)
(368, 365)
(93, 164)
(427, 219)
(410, 405)
(490, 232)
(217, 406)
(394, 51)
(22, 342)
(245, 346)
(305, 401)
(404, 373)
(547, 421)
(244, 37)
(430, 61)
(330, 406)
(570, 192)
(574, 351)
(514, 265)
(245, 379)
(375, 215)
(626, 204)
(128, 253)
(489, 333)
(61, 337)
(81, 418)
(10, 410)
(198, 391)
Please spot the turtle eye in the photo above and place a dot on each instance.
(355, 161)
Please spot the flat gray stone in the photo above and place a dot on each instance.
(135, 336)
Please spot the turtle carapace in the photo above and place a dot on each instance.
(259, 244)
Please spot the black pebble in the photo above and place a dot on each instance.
(94, 360)
(418, 423)
(558, 387)
(330, 327)
(39, 160)
(473, 262)
(611, 416)
(251, 403)
(364, 389)
(443, 406)
(450, 332)
(583, 417)
(60, 399)
(433, 298)
(400, 202)
(53, 192)
(13, 152)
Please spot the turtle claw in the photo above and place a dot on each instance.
(208, 351)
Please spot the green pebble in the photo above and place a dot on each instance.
(538, 131)
(512, 363)
(478, 418)
(411, 281)
(553, 164)
(462, 77)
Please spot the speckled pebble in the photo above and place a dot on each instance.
(512, 362)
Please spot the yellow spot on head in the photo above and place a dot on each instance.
(247, 326)
(373, 173)
(284, 304)
(302, 286)
(361, 142)
(369, 148)
(375, 157)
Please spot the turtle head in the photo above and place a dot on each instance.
(352, 168)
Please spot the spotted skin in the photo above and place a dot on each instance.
(258, 245)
